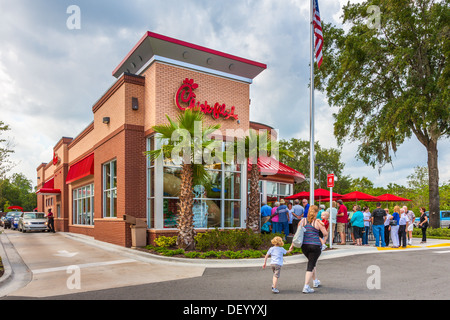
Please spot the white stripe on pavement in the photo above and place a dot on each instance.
(448, 251)
(86, 265)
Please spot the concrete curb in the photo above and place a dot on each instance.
(5, 261)
(17, 275)
(212, 263)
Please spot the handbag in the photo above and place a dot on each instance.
(297, 241)
(393, 223)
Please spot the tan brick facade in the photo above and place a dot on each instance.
(124, 140)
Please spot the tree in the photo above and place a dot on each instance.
(194, 144)
(418, 184)
(252, 146)
(5, 151)
(391, 81)
(362, 184)
(327, 158)
(17, 190)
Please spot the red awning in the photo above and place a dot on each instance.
(49, 188)
(50, 184)
(48, 191)
(81, 169)
(270, 166)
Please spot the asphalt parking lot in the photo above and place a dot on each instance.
(73, 267)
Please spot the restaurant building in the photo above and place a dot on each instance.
(101, 175)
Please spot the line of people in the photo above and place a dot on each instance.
(398, 226)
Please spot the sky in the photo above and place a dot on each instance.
(51, 75)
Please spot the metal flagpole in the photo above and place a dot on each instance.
(311, 109)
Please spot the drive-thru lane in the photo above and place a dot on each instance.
(57, 264)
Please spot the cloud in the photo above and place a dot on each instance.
(51, 76)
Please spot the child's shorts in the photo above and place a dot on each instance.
(276, 268)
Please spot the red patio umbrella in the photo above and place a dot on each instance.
(15, 208)
(300, 195)
(358, 196)
(390, 198)
(319, 194)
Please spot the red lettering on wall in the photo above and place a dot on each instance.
(185, 98)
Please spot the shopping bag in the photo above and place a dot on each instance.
(297, 241)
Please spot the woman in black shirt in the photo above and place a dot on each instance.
(423, 224)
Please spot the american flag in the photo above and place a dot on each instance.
(318, 33)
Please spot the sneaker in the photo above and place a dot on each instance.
(307, 289)
(316, 283)
(275, 290)
(324, 247)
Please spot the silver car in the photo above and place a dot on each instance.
(32, 221)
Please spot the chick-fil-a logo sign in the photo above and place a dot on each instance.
(186, 99)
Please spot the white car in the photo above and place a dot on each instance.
(32, 221)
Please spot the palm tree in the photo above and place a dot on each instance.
(193, 167)
(252, 147)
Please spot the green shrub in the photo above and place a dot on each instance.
(438, 233)
(166, 242)
(236, 239)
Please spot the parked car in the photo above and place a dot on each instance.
(444, 217)
(15, 221)
(7, 223)
(32, 221)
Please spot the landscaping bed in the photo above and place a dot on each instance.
(219, 244)
(439, 233)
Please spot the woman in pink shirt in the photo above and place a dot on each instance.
(275, 224)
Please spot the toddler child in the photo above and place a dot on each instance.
(325, 217)
(276, 253)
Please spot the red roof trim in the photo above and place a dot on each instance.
(189, 45)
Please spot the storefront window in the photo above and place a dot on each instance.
(110, 189)
(150, 186)
(83, 206)
(217, 202)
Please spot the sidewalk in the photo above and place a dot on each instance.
(337, 252)
(35, 268)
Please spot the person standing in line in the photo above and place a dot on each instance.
(312, 246)
(283, 218)
(305, 207)
(403, 225)
(395, 219)
(274, 218)
(276, 262)
(333, 218)
(387, 227)
(50, 221)
(291, 217)
(378, 218)
(350, 226)
(342, 219)
(266, 212)
(322, 209)
(410, 227)
(357, 222)
(423, 224)
(298, 215)
(367, 216)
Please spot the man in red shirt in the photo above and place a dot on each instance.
(342, 220)
(50, 221)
